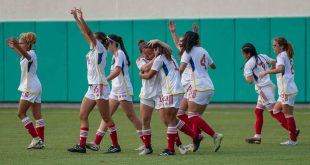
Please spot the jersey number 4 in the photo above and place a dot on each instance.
(203, 61)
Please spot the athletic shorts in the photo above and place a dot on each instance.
(201, 98)
(96, 92)
(287, 99)
(120, 97)
(266, 97)
(151, 102)
(33, 98)
(187, 89)
(171, 101)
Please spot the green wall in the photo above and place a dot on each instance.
(61, 51)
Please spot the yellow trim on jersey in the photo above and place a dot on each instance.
(201, 90)
(27, 90)
(99, 73)
(169, 88)
(126, 86)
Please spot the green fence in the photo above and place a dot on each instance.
(61, 51)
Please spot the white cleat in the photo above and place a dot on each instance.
(146, 151)
(92, 146)
(140, 148)
(183, 149)
(36, 143)
(289, 143)
(217, 141)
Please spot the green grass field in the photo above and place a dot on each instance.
(62, 131)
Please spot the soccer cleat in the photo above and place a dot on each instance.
(190, 147)
(140, 148)
(39, 145)
(196, 142)
(289, 143)
(217, 141)
(113, 149)
(146, 151)
(253, 140)
(297, 132)
(167, 152)
(35, 142)
(183, 150)
(92, 146)
(77, 148)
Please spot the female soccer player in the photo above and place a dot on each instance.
(255, 64)
(30, 86)
(98, 90)
(121, 93)
(287, 88)
(186, 75)
(202, 86)
(165, 66)
(150, 90)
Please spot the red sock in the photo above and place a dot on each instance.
(199, 123)
(184, 118)
(178, 140)
(292, 127)
(113, 135)
(29, 126)
(259, 120)
(83, 136)
(139, 132)
(99, 135)
(281, 119)
(171, 136)
(182, 126)
(40, 128)
(147, 134)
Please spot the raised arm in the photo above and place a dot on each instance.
(87, 33)
(172, 28)
(195, 27)
(14, 44)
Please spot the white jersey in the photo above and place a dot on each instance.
(169, 75)
(187, 73)
(29, 81)
(285, 80)
(121, 84)
(254, 68)
(199, 60)
(150, 88)
(96, 63)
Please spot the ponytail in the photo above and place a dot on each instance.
(190, 40)
(119, 41)
(286, 46)
(290, 50)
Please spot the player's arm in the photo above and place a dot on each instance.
(114, 73)
(87, 33)
(147, 67)
(278, 69)
(182, 67)
(148, 75)
(13, 43)
(249, 79)
(195, 28)
(172, 29)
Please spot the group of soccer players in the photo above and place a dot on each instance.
(180, 93)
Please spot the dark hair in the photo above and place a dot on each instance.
(286, 46)
(119, 41)
(141, 45)
(250, 49)
(190, 40)
(103, 38)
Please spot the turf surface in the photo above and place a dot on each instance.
(62, 132)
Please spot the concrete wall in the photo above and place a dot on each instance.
(15, 10)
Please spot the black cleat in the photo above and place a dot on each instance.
(253, 140)
(77, 148)
(196, 142)
(297, 132)
(167, 152)
(113, 149)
